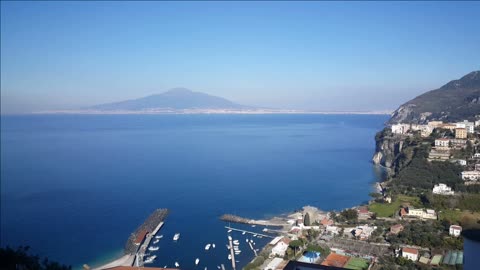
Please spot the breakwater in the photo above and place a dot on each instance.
(237, 219)
(149, 225)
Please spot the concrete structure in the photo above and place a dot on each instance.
(455, 230)
(460, 133)
(449, 126)
(458, 143)
(410, 253)
(422, 213)
(363, 232)
(476, 155)
(275, 264)
(400, 128)
(461, 162)
(281, 247)
(435, 124)
(332, 230)
(442, 189)
(396, 228)
(470, 175)
(442, 143)
(468, 126)
(438, 155)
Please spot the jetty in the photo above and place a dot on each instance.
(254, 233)
(238, 219)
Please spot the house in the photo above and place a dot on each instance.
(400, 128)
(410, 253)
(476, 155)
(395, 229)
(458, 143)
(468, 126)
(461, 162)
(332, 229)
(363, 231)
(403, 212)
(442, 189)
(422, 213)
(460, 133)
(335, 260)
(387, 199)
(326, 222)
(448, 126)
(455, 230)
(435, 124)
(281, 247)
(363, 213)
(442, 143)
(470, 175)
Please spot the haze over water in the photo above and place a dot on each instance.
(75, 186)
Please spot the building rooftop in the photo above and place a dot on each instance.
(140, 236)
(335, 260)
(410, 250)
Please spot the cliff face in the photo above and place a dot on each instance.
(387, 148)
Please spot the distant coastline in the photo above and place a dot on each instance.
(211, 111)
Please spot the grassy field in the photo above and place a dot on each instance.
(356, 264)
(388, 209)
(458, 216)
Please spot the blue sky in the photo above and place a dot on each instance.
(304, 55)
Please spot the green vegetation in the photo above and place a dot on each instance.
(21, 259)
(256, 263)
(389, 209)
(324, 251)
(306, 220)
(348, 215)
(356, 264)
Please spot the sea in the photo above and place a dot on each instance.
(74, 187)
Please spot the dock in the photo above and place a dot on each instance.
(232, 253)
(253, 233)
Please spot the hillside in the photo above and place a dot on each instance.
(174, 99)
(455, 101)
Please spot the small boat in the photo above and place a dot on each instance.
(159, 236)
(235, 242)
(237, 252)
(229, 238)
(205, 268)
(150, 259)
(229, 256)
(229, 231)
(254, 235)
(176, 237)
(177, 265)
(207, 247)
(152, 248)
(253, 226)
(218, 266)
(260, 236)
(213, 245)
(251, 241)
(165, 266)
(246, 240)
(243, 233)
(228, 247)
(237, 261)
(197, 260)
(265, 230)
(156, 241)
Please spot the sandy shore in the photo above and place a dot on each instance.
(126, 260)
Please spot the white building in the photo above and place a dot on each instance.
(471, 175)
(422, 213)
(363, 231)
(476, 155)
(469, 126)
(410, 253)
(442, 143)
(332, 229)
(455, 230)
(400, 128)
(280, 248)
(442, 189)
(461, 162)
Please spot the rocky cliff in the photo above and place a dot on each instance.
(387, 148)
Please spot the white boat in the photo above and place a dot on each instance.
(159, 236)
(156, 241)
(197, 260)
(254, 226)
(235, 242)
(165, 266)
(205, 268)
(246, 240)
(237, 261)
(177, 265)
(237, 252)
(229, 238)
(150, 259)
(260, 236)
(235, 248)
(152, 248)
(176, 237)
(265, 230)
(229, 231)
(218, 266)
(229, 256)
(243, 233)
(213, 245)
(254, 235)
(207, 247)
(251, 241)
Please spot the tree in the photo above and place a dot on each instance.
(306, 220)
(349, 214)
(20, 259)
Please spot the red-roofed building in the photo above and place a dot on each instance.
(335, 260)
(403, 212)
(410, 253)
(396, 228)
(326, 222)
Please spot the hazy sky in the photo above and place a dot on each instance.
(304, 55)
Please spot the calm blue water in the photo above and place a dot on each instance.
(73, 187)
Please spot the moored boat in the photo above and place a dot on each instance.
(176, 236)
(197, 260)
(207, 247)
(177, 265)
(152, 248)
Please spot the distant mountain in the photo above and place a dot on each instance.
(456, 100)
(173, 99)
